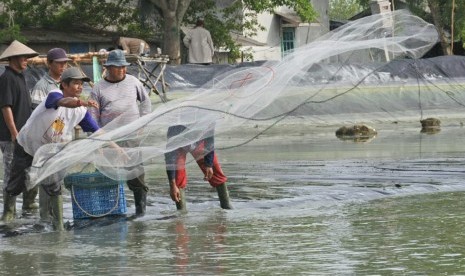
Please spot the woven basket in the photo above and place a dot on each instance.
(95, 195)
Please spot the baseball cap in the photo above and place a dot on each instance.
(57, 54)
(74, 73)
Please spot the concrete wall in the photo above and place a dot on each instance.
(304, 33)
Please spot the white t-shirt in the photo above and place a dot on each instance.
(49, 125)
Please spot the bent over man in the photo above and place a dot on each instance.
(204, 154)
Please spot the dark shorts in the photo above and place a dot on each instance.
(18, 175)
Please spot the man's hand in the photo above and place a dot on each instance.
(90, 103)
(7, 114)
(122, 155)
(13, 136)
(208, 173)
(174, 192)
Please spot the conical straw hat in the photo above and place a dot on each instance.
(17, 48)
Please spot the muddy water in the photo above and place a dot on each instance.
(305, 203)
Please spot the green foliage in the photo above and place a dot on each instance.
(221, 23)
(239, 17)
(459, 18)
(85, 15)
(305, 10)
(421, 8)
(7, 35)
(344, 9)
(365, 3)
(303, 7)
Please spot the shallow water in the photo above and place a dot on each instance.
(312, 205)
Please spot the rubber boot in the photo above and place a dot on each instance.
(9, 207)
(140, 200)
(181, 204)
(56, 208)
(223, 195)
(29, 198)
(44, 205)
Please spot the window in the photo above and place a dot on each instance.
(287, 44)
(78, 47)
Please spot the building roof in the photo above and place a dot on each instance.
(246, 41)
(290, 16)
(44, 36)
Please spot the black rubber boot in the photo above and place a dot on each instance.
(44, 205)
(223, 195)
(56, 207)
(9, 207)
(181, 204)
(140, 200)
(29, 198)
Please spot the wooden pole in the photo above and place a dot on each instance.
(452, 28)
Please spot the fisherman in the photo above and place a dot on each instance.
(15, 103)
(57, 62)
(53, 121)
(204, 154)
(119, 93)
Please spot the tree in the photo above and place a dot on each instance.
(238, 16)
(145, 19)
(344, 9)
(438, 13)
(447, 15)
(172, 13)
(85, 15)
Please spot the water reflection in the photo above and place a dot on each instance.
(419, 235)
(181, 249)
(198, 249)
(319, 207)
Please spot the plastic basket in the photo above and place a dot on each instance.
(94, 195)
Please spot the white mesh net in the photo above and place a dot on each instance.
(342, 77)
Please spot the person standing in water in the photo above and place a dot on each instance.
(119, 93)
(204, 154)
(15, 102)
(57, 62)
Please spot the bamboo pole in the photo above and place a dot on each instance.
(452, 27)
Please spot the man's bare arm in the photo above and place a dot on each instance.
(10, 122)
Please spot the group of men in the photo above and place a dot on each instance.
(51, 111)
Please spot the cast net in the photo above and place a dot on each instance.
(342, 77)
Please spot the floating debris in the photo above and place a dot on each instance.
(356, 133)
(430, 126)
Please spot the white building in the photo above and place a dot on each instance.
(285, 31)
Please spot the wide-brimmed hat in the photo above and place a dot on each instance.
(116, 58)
(74, 73)
(57, 54)
(17, 48)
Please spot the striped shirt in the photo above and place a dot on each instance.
(127, 97)
(42, 88)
